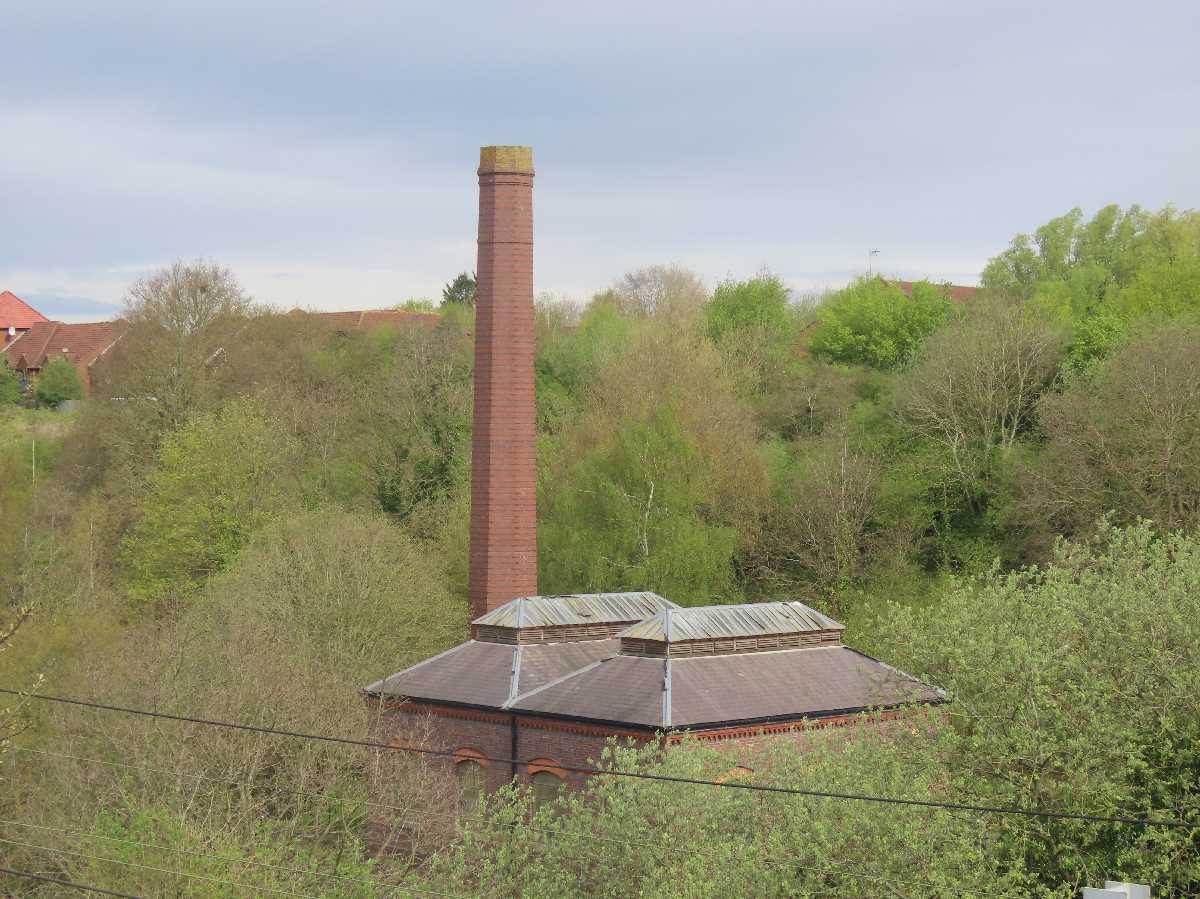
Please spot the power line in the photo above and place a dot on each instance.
(82, 887)
(664, 846)
(639, 775)
(225, 858)
(117, 861)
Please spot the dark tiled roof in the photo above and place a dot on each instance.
(479, 673)
(707, 691)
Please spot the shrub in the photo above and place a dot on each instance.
(58, 381)
(873, 322)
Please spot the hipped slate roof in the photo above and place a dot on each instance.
(594, 680)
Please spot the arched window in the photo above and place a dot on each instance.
(469, 767)
(546, 779)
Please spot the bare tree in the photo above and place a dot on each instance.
(1125, 439)
(662, 291)
(976, 387)
(182, 322)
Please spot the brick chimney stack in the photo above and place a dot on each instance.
(503, 558)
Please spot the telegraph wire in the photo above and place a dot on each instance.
(82, 887)
(325, 797)
(639, 775)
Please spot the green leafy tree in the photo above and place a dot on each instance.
(219, 478)
(1052, 709)
(729, 842)
(873, 322)
(629, 517)
(460, 291)
(56, 382)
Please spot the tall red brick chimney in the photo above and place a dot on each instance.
(503, 556)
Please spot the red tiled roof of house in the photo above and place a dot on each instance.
(80, 344)
(959, 293)
(16, 313)
(372, 318)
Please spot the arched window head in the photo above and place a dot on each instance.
(546, 779)
(469, 765)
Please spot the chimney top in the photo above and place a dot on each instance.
(506, 159)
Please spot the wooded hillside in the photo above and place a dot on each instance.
(254, 515)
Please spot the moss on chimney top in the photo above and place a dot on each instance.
(505, 159)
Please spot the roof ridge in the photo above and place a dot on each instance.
(558, 680)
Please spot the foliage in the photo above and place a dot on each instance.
(10, 386)
(628, 836)
(753, 323)
(219, 478)
(460, 291)
(1074, 688)
(873, 322)
(975, 389)
(57, 382)
(1124, 438)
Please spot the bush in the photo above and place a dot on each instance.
(58, 381)
(873, 322)
(10, 387)
(219, 478)
(1074, 688)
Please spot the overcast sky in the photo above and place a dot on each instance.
(327, 152)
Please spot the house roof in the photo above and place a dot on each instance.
(16, 313)
(575, 609)
(958, 293)
(371, 318)
(744, 620)
(605, 681)
(80, 344)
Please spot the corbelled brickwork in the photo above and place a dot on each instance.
(503, 559)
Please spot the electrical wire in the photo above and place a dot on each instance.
(639, 775)
(82, 887)
(325, 797)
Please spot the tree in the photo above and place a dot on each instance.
(753, 323)
(1073, 687)
(219, 478)
(670, 292)
(58, 381)
(819, 521)
(873, 322)
(10, 387)
(976, 386)
(460, 291)
(183, 322)
(731, 842)
(1124, 438)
